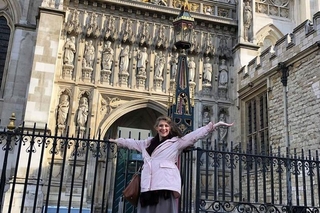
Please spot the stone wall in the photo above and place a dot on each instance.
(298, 52)
(303, 105)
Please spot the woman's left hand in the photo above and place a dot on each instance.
(221, 123)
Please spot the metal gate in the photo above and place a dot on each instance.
(44, 172)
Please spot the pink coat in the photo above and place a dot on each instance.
(160, 170)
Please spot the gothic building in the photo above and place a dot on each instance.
(91, 66)
(103, 64)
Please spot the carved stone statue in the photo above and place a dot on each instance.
(142, 60)
(205, 118)
(124, 59)
(89, 54)
(63, 109)
(83, 112)
(208, 10)
(247, 19)
(107, 56)
(69, 50)
(174, 65)
(222, 129)
(207, 71)
(192, 69)
(159, 64)
(223, 74)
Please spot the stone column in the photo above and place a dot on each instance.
(43, 68)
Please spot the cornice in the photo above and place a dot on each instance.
(51, 11)
(29, 27)
(247, 45)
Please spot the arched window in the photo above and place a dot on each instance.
(4, 42)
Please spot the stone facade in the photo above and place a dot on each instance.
(96, 65)
(97, 56)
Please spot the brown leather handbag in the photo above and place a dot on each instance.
(132, 192)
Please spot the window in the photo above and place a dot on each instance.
(257, 124)
(4, 42)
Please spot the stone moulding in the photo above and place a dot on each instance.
(116, 4)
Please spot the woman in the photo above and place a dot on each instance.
(160, 176)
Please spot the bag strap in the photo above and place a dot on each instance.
(139, 170)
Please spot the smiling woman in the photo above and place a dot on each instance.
(160, 155)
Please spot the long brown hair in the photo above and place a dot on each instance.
(174, 132)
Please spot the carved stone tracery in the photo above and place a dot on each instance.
(73, 25)
(208, 48)
(92, 28)
(161, 39)
(195, 47)
(144, 35)
(279, 8)
(108, 104)
(224, 51)
(111, 32)
(127, 33)
(120, 68)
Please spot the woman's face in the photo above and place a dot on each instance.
(163, 129)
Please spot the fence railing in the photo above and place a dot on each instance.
(243, 182)
(46, 172)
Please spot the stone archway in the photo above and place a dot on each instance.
(267, 36)
(139, 114)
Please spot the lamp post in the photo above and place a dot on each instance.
(181, 109)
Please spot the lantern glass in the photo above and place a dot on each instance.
(182, 31)
(187, 28)
(178, 33)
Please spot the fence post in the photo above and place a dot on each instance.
(288, 179)
(198, 178)
(7, 147)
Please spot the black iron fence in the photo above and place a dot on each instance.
(46, 172)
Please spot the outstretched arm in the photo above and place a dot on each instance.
(131, 143)
(192, 137)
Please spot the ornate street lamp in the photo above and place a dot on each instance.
(181, 109)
